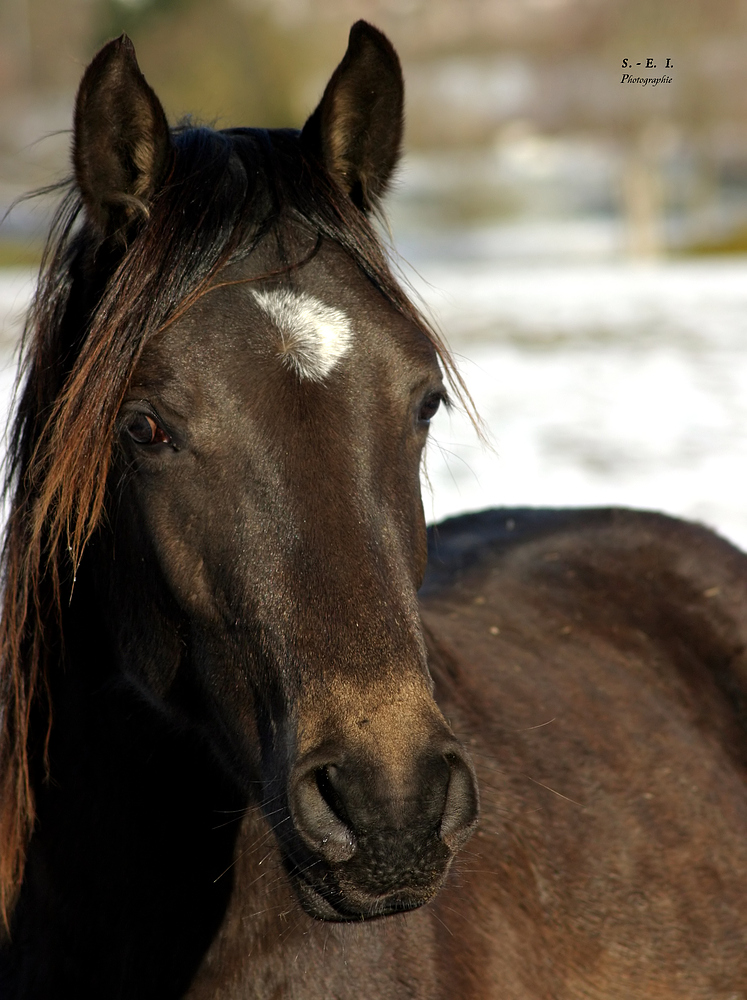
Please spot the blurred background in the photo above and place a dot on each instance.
(577, 238)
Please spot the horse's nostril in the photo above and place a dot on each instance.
(326, 782)
(341, 809)
(461, 808)
(320, 817)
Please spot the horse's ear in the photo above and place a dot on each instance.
(357, 129)
(122, 148)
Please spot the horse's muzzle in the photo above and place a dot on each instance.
(374, 837)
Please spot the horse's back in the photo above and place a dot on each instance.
(594, 663)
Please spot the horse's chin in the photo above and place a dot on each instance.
(336, 906)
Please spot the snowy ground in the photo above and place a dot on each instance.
(600, 384)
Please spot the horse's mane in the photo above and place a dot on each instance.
(226, 191)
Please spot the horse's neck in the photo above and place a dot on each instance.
(121, 879)
(268, 947)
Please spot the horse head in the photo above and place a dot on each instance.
(260, 537)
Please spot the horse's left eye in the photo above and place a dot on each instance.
(144, 430)
(429, 407)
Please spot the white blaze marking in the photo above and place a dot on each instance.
(313, 336)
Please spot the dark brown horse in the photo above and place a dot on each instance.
(230, 733)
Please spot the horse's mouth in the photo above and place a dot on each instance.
(389, 871)
(332, 904)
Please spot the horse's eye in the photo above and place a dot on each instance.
(429, 407)
(144, 430)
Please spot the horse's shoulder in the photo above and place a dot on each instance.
(610, 567)
(643, 546)
(671, 593)
(595, 663)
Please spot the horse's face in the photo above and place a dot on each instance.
(273, 437)
(266, 497)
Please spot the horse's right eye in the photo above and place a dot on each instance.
(144, 430)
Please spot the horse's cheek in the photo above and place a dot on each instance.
(419, 549)
(173, 537)
(191, 580)
(188, 574)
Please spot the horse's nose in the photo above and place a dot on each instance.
(343, 804)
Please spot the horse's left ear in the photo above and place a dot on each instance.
(357, 129)
(122, 147)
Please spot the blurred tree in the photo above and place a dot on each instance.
(218, 61)
(477, 71)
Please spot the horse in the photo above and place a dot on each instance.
(248, 700)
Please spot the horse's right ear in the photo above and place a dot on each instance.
(122, 147)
